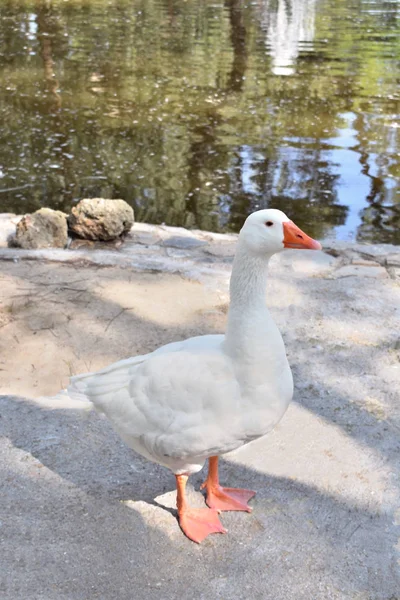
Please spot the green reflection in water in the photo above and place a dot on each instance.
(198, 112)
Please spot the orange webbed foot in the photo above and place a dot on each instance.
(222, 498)
(198, 523)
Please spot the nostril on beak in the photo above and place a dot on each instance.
(300, 236)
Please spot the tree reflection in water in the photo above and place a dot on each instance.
(198, 113)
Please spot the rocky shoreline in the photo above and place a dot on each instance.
(195, 253)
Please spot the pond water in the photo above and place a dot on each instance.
(198, 112)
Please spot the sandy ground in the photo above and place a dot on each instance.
(83, 517)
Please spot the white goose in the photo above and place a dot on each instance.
(205, 396)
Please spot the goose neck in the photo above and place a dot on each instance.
(248, 281)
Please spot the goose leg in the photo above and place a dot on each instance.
(196, 523)
(224, 498)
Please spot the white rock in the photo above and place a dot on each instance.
(101, 219)
(45, 228)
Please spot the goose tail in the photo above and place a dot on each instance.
(101, 387)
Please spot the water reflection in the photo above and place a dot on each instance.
(290, 27)
(198, 113)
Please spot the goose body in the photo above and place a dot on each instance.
(207, 395)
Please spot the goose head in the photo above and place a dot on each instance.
(269, 231)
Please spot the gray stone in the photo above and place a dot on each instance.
(45, 228)
(361, 271)
(101, 219)
(363, 262)
(183, 242)
(221, 249)
(394, 272)
(146, 238)
(305, 262)
(178, 253)
(393, 260)
(375, 251)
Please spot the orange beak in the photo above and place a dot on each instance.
(294, 237)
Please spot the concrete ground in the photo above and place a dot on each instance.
(83, 517)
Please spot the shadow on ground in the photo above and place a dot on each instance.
(68, 533)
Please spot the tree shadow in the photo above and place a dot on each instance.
(319, 371)
(65, 481)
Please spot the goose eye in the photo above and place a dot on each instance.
(269, 223)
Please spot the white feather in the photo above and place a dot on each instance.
(206, 395)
